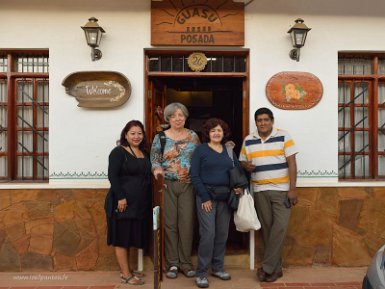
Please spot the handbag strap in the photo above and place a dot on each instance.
(132, 151)
(230, 152)
(162, 140)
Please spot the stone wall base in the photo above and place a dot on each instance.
(65, 230)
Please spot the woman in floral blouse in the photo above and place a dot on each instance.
(174, 164)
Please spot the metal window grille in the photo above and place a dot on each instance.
(34, 64)
(32, 128)
(361, 117)
(3, 128)
(3, 63)
(381, 129)
(24, 114)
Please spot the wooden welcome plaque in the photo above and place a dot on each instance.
(98, 89)
(294, 90)
(199, 22)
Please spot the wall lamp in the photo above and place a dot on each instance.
(93, 33)
(298, 35)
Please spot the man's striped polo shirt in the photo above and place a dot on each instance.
(269, 157)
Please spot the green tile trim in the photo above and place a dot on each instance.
(317, 174)
(103, 175)
(78, 175)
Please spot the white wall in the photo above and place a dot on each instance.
(336, 26)
(80, 139)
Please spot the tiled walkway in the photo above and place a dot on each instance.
(324, 285)
(294, 278)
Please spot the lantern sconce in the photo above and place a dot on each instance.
(93, 33)
(298, 35)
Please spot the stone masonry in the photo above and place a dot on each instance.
(65, 230)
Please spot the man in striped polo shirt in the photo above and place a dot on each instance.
(269, 155)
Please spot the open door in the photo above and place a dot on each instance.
(155, 105)
(154, 124)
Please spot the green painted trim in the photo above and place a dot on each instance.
(76, 175)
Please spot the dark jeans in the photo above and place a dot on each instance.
(213, 232)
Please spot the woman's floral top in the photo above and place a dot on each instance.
(176, 159)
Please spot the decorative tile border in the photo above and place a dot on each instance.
(76, 175)
(103, 175)
(317, 174)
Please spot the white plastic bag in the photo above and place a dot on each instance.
(245, 218)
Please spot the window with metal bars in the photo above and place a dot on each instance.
(361, 116)
(24, 103)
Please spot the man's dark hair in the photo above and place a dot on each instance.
(263, 110)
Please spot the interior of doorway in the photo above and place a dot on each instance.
(206, 97)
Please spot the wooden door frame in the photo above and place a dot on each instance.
(230, 51)
(148, 102)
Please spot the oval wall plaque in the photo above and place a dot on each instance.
(294, 90)
(98, 89)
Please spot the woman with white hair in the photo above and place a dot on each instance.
(173, 161)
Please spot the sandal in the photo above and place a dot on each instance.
(138, 274)
(132, 280)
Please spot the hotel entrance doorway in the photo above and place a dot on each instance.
(220, 90)
(206, 98)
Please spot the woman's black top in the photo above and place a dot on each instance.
(130, 178)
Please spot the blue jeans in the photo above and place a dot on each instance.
(213, 232)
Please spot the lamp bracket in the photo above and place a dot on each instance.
(294, 54)
(96, 54)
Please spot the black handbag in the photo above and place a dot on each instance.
(233, 201)
(110, 206)
(126, 214)
(219, 193)
(237, 177)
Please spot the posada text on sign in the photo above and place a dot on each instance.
(197, 22)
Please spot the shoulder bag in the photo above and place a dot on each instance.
(237, 180)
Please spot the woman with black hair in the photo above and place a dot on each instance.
(128, 203)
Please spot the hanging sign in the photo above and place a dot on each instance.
(197, 22)
(98, 89)
(294, 90)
